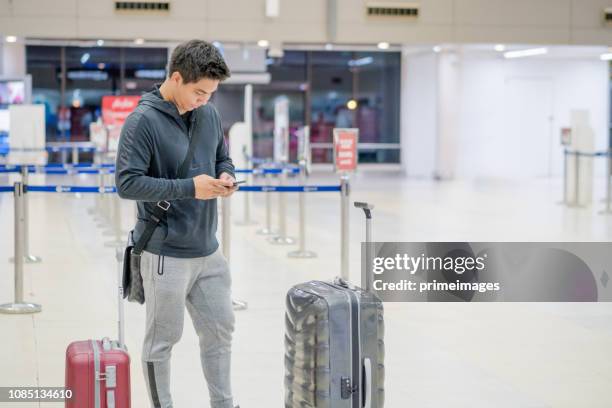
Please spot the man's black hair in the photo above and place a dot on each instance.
(198, 59)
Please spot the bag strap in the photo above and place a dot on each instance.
(162, 207)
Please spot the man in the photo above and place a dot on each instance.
(181, 265)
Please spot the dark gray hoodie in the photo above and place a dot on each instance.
(153, 144)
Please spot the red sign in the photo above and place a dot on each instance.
(115, 109)
(345, 149)
(566, 136)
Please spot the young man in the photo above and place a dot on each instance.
(182, 266)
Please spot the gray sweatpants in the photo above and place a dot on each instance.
(203, 286)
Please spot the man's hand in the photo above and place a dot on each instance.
(228, 182)
(207, 187)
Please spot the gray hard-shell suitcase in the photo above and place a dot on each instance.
(334, 349)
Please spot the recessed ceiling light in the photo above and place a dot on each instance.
(11, 39)
(437, 49)
(263, 43)
(139, 41)
(383, 45)
(100, 43)
(351, 104)
(329, 47)
(606, 57)
(500, 48)
(526, 53)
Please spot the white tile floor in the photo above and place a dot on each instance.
(437, 355)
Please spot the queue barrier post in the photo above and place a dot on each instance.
(302, 252)
(282, 238)
(29, 258)
(608, 199)
(19, 306)
(267, 229)
(247, 197)
(226, 225)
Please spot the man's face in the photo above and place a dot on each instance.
(194, 94)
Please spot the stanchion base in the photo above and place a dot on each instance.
(28, 259)
(302, 254)
(244, 223)
(239, 304)
(569, 205)
(576, 206)
(281, 240)
(265, 231)
(20, 308)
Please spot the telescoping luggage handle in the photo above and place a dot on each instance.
(120, 320)
(367, 209)
(367, 363)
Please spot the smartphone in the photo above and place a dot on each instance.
(239, 182)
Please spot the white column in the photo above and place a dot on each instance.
(430, 119)
(448, 103)
(418, 112)
(12, 59)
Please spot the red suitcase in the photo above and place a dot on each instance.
(97, 374)
(98, 371)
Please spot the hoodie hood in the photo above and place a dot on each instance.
(154, 99)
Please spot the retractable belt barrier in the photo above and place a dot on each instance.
(58, 165)
(587, 154)
(60, 169)
(257, 171)
(91, 168)
(55, 149)
(578, 155)
(111, 189)
(20, 190)
(57, 171)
